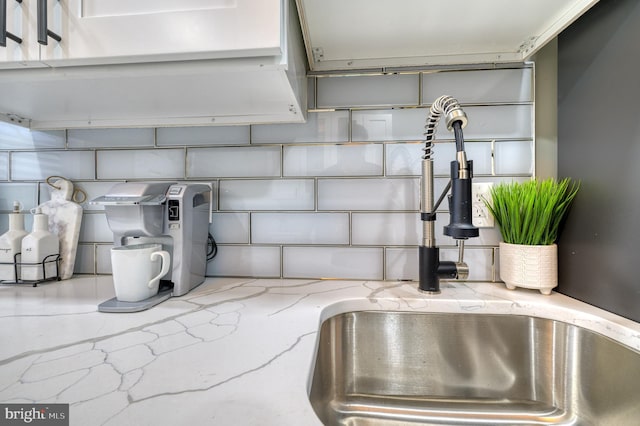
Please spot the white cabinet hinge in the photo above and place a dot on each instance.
(527, 45)
(318, 54)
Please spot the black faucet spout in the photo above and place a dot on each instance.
(460, 202)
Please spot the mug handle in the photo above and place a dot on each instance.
(165, 265)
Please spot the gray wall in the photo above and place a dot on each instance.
(599, 143)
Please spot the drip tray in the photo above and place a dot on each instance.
(115, 305)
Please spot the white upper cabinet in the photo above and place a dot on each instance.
(361, 34)
(116, 63)
(124, 31)
(120, 31)
(19, 47)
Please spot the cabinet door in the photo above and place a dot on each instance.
(121, 31)
(21, 22)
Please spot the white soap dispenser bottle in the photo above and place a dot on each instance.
(37, 247)
(10, 245)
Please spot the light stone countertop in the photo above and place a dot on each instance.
(233, 351)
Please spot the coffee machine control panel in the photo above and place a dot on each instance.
(174, 195)
(174, 210)
(174, 190)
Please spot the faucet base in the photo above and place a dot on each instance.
(429, 292)
(429, 257)
(431, 269)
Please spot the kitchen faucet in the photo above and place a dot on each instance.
(460, 227)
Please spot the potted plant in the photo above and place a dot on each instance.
(529, 215)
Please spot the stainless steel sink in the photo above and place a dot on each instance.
(398, 368)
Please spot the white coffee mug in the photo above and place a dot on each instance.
(137, 270)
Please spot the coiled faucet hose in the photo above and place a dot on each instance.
(450, 108)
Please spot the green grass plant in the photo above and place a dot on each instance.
(531, 212)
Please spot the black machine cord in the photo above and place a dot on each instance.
(212, 247)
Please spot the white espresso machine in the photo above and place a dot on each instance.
(176, 215)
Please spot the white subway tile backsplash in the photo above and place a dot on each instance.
(215, 190)
(514, 158)
(389, 124)
(18, 137)
(368, 194)
(333, 262)
(4, 166)
(484, 122)
(479, 152)
(333, 160)
(25, 193)
(103, 258)
(300, 228)
(367, 90)
(230, 228)
(95, 228)
(443, 154)
(141, 164)
(439, 184)
(329, 126)
(42, 164)
(495, 122)
(337, 196)
(480, 261)
(85, 262)
(245, 261)
(479, 86)
(403, 159)
(109, 138)
(401, 264)
(273, 194)
(386, 229)
(204, 135)
(255, 161)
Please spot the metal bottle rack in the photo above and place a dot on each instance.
(52, 258)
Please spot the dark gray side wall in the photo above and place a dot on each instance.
(599, 143)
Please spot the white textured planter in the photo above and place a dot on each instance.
(533, 267)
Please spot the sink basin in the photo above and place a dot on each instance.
(401, 368)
